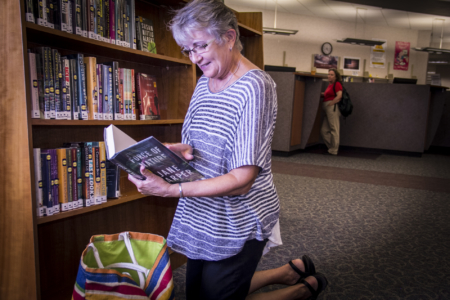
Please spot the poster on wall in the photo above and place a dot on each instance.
(325, 61)
(378, 55)
(401, 59)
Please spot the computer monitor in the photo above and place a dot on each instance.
(405, 80)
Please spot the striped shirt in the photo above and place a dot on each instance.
(228, 130)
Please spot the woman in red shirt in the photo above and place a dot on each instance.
(330, 125)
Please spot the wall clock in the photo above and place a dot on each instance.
(327, 48)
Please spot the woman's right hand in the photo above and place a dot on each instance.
(322, 94)
(182, 150)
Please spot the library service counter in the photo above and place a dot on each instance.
(399, 117)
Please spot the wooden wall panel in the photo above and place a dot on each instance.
(253, 50)
(251, 19)
(178, 89)
(17, 257)
(297, 113)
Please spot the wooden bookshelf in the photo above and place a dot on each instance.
(41, 255)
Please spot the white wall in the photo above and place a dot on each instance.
(313, 32)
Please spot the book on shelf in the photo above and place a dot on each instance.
(74, 93)
(29, 11)
(60, 110)
(62, 175)
(69, 187)
(128, 154)
(97, 174)
(147, 97)
(34, 88)
(112, 180)
(91, 87)
(115, 99)
(46, 182)
(41, 210)
(54, 178)
(99, 70)
(145, 37)
(79, 68)
(51, 82)
(107, 78)
(65, 88)
(103, 183)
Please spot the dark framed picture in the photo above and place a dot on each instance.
(351, 63)
(325, 61)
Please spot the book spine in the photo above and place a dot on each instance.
(41, 85)
(65, 87)
(71, 10)
(59, 108)
(102, 158)
(55, 179)
(138, 95)
(91, 20)
(64, 9)
(62, 175)
(40, 209)
(77, 19)
(116, 91)
(57, 14)
(29, 11)
(85, 172)
(48, 54)
(79, 177)
(107, 21)
(121, 93)
(99, 21)
(41, 15)
(91, 154)
(73, 163)
(69, 186)
(47, 112)
(126, 26)
(133, 24)
(112, 21)
(49, 13)
(74, 90)
(138, 33)
(97, 174)
(112, 172)
(82, 88)
(84, 17)
(34, 86)
(91, 86)
(133, 95)
(107, 91)
(47, 181)
(118, 21)
(99, 70)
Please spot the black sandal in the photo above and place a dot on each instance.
(310, 269)
(322, 285)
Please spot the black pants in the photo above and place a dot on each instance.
(224, 279)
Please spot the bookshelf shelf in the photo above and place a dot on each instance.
(75, 43)
(248, 31)
(51, 245)
(41, 122)
(130, 196)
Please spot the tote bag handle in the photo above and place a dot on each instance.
(124, 236)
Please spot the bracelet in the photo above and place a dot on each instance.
(181, 190)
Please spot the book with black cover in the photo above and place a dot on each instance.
(128, 154)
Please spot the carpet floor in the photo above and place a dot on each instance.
(377, 227)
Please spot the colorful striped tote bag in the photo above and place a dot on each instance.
(129, 265)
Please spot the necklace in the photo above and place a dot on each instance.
(221, 88)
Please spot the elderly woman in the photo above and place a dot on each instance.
(224, 222)
(330, 125)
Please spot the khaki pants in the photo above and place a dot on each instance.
(330, 127)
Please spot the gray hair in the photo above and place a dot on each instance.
(211, 16)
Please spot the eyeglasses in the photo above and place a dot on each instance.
(197, 49)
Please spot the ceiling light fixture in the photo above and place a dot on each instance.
(431, 49)
(276, 30)
(360, 42)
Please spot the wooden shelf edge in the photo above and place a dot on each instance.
(42, 122)
(78, 38)
(79, 211)
(248, 31)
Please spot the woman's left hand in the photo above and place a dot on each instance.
(153, 185)
(331, 103)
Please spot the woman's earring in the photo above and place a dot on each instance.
(231, 48)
